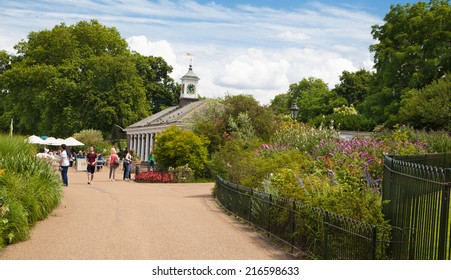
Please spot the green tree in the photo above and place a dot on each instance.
(160, 88)
(413, 50)
(429, 107)
(89, 137)
(281, 104)
(262, 118)
(78, 77)
(176, 147)
(314, 98)
(211, 122)
(354, 86)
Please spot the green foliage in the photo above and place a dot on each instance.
(29, 189)
(412, 51)
(177, 147)
(182, 174)
(436, 141)
(160, 88)
(238, 116)
(89, 137)
(426, 108)
(242, 127)
(78, 77)
(314, 98)
(433, 141)
(356, 122)
(301, 136)
(211, 122)
(262, 118)
(317, 168)
(354, 87)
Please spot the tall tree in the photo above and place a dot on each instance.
(160, 88)
(413, 50)
(429, 107)
(78, 77)
(262, 118)
(354, 86)
(314, 98)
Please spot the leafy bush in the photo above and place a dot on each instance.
(182, 174)
(177, 147)
(354, 122)
(29, 189)
(317, 168)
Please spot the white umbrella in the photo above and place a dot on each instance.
(33, 139)
(71, 141)
(52, 141)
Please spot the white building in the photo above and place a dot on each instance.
(141, 135)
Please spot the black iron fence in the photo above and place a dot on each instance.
(417, 189)
(315, 233)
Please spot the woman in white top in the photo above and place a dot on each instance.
(64, 165)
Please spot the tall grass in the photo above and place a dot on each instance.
(29, 189)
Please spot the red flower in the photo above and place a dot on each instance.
(302, 166)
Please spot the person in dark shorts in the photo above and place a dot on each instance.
(91, 159)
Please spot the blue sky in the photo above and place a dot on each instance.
(252, 47)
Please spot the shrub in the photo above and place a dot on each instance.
(179, 147)
(317, 167)
(182, 174)
(29, 189)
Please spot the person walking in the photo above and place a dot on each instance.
(91, 159)
(114, 164)
(64, 165)
(127, 165)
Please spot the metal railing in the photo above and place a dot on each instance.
(417, 189)
(317, 234)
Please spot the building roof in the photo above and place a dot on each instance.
(190, 75)
(169, 116)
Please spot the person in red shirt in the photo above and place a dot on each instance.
(91, 159)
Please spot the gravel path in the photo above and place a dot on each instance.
(130, 221)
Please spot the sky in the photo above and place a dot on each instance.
(239, 47)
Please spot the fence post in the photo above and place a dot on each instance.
(373, 242)
(251, 195)
(444, 216)
(326, 237)
(269, 214)
(293, 225)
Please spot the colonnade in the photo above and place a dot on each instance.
(141, 144)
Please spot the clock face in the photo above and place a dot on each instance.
(191, 89)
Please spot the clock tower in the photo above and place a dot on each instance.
(189, 92)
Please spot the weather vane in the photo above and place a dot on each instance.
(190, 57)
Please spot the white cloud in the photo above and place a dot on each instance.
(260, 51)
(292, 36)
(143, 46)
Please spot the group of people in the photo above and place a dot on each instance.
(65, 159)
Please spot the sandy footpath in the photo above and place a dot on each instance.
(129, 221)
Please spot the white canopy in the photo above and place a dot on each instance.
(52, 141)
(71, 141)
(33, 139)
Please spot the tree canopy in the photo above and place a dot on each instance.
(413, 50)
(79, 77)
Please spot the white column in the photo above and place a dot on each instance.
(147, 146)
(138, 146)
(135, 143)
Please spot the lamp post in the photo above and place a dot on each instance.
(294, 110)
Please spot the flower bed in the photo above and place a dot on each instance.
(154, 177)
